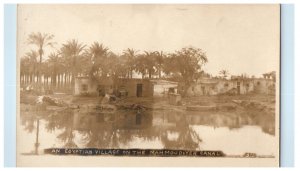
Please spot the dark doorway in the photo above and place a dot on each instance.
(139, 90)
(238, 88)
(203, 90)
(101, 90)
(100, 117)
(138, 119)
(171, 90)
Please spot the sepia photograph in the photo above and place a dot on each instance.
(155, 84)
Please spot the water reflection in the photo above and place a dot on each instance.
(173, 129)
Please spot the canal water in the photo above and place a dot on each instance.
(232, 133)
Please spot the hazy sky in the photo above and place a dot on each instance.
(238, 38)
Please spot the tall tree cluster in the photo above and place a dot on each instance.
(72, 59)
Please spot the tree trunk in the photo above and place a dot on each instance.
(26, 79)
(150, 74)
(31, 78)
(58, 81)
(69, 80)
(40, 66)
(73, 82)
(159, 73)
(37, 74)
(21, 80)
(186, 87)
(65, 80)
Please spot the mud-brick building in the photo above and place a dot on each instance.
(136, 87)
(86, 86)
(200, 87)
(130, 87)
(241, 85)
(161, 88)
(215, 86)
(105, 85)
(235, 85)
(264, 86)
(83, 85)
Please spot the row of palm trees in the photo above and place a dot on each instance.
(76, 59)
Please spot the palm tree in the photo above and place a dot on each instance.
(117, 68)
(41, 41)
(98, 55)
(150, 62)
(24, 70)
(159, 60)
(118, 65)
(32, 64)
(71, 51)
(67, 69)
(224, 73)
(141, 65)
(54, 63)
(130, 55)
(46, 72)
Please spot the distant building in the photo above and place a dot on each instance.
(264, 86)
(235, 85)
(270, 75)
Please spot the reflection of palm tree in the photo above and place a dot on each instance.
(28, 122)
(148, 134)
(98, 139)
(51, 123)
(67, 136)
(70, 139)
(187, 139)
(62, 120)
(108, 135)
(115, 143)
(37, 144)
(125, 136)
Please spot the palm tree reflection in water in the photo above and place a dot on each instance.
(126, 128)
(118, 130)
(186, 137)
